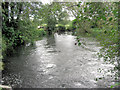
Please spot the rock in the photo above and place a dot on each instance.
(75, 43)
(63, 85)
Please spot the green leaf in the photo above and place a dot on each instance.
(98, 18)
(115, 11)
(111, 86)
(74, 20)
(104, 18)
(110, 19)
(117, 84)
(105, 31)
(80, 2)
(0, 88)
(78, 5)
(96, 79)
(79, 44)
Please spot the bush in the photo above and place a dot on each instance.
(69, 27)
(60, 27)
(41, 32)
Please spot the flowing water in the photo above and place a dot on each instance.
(56, 62)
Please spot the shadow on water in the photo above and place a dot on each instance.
(15, 64)
(50, 39)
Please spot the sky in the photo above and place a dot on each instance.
(46, 1)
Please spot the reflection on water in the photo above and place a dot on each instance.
(55, 61)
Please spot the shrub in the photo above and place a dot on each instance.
(60, 27)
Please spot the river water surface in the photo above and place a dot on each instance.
(56, 62)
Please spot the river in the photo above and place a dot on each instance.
(56, 62)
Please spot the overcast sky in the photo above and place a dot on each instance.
(46, 1)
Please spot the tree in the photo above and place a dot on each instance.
(53, 14)
(17, 23)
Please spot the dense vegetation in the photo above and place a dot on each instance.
(100, 20)
(17, 27)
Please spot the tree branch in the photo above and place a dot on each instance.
(71, 6)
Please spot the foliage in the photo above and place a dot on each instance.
(19, 24)
(40, 32)
(109, 42)
(117, 84)
(1, 66)
(21, 19)
(60, 27)
(99, 20)
(71, 26)
(53, 14)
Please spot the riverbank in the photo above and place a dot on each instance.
(109, 41)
